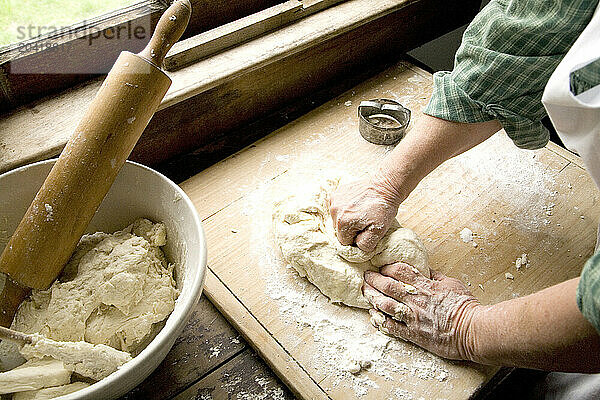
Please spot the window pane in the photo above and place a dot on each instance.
(25, 19)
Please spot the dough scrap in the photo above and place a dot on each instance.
(50, 393)
(304, 233)
(34, 375)
(96, 361)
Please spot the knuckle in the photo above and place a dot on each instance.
(367, 242)
(344, 229)
(346, 221)
(387, 306)
(391, 270)
(377, 229)
(401, 312)
(391, 288)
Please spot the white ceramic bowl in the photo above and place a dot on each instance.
(137, 192)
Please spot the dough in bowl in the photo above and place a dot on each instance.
(304, 233)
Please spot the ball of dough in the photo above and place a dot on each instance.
(304, 233)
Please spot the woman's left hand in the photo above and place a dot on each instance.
(433, 313)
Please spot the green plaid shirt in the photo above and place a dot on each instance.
(588, 291)
(500, 71)
(505, 60)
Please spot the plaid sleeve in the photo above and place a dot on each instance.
(503, 64)
(588, 291)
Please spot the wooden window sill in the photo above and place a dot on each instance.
(226, 90)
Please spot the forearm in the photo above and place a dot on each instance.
(427, 145)
(544, 330)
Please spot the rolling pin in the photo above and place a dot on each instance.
(65, 204)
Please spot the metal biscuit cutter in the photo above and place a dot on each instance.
(382, 121)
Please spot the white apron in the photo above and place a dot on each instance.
(576, 118)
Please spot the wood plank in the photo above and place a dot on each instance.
(312, 6)
(207, 342)
(185, 166)
(195, 48)
(279, 359)
(245, 377)
(409, 85)
(566, 154)
(515, 201)
(210, 14)
(306, 33)
(227, 103)
(236, 32)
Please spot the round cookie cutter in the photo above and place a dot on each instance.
(382, 121)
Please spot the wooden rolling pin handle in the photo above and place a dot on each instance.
(11, 296)
(15, 336)
(169, 29)
(65, 204)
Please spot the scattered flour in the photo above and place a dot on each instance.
(521, 262)
(342, 338)
(347, 349)
(466, 235)
(215, 351)
(49, 212)
(515, 176)
(204, 395)
(262, 389)
(401, 394)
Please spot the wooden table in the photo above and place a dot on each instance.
(541, 203)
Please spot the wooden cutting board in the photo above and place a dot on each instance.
(541, 203)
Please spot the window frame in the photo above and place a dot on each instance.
(213, 99)
(20, 89)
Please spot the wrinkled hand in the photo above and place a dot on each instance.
(362, 211)
(432, 313)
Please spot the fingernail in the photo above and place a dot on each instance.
(377, 318)
(384, 330)
(373, 323)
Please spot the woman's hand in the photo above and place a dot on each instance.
(362, 212)
(433, 313)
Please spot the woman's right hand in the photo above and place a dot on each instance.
(362, 211)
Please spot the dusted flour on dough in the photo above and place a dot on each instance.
(113, 291)
(304, 232)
